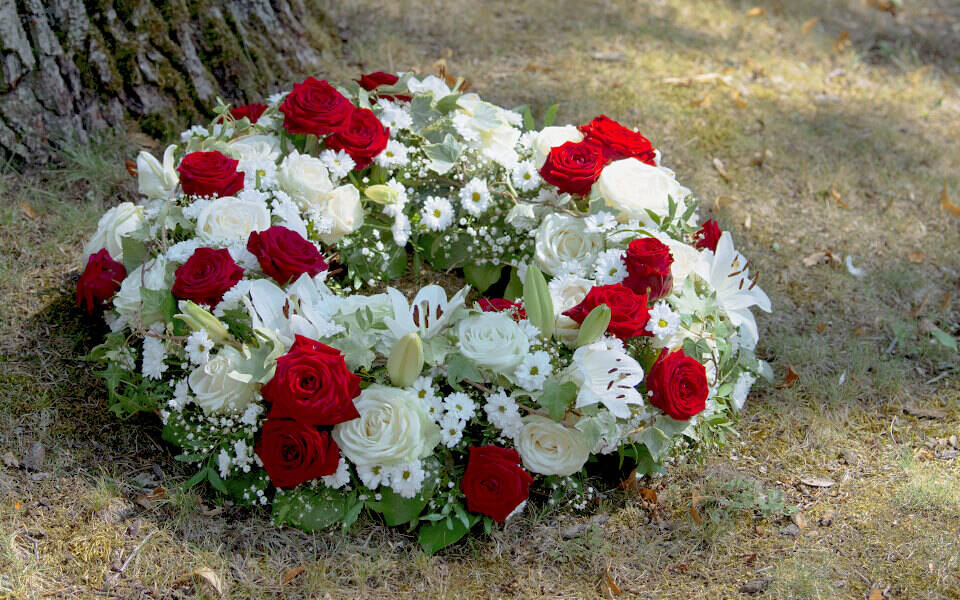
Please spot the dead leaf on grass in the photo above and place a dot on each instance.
(952, 208)
(820, 482)
(756, 11)
(721, 169)
(791, 378)
(702, 102)
(842, 42)
(291, 574)
(821, 327)
(924, 413)
(876, 594)
(808, 25)
(720, 201)
(916, 257)
(208, 575)
(799, 520)
(838, 198)
(817, 258)
(28, 210)
(610, 583)
(150, 500)
(131, 167)
(884, 5)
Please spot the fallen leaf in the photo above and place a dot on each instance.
(648, 495)
(884, 5)
(150, 500)
(718, 165)
(827, 519)
(28, 210)
(808, 25)
(952, 208)
(791, 378)
(821, 327)
(207, 575)
(842, 42)
(924, 413)
(919, 307)
(756, 11)
(814, 481)
(611, 585)
(817, 258)
(696, 515)
(702, 102)
(799, 520)
(838, 198)
(740, 102)
(946, 301)
(292, 574)
(859, 331)
(875, 595)
(535, 67)
(720, 201)
(916, 257)
(131, 167)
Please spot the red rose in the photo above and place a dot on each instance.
(206, 276)
(364, 138)
(315, 107)
(677, 385)
(293, 452)
(708, 236)
(209, 174)
(371, 81)
(284, 254)
(502, 305)
(494, 483)
(250, 111)
(648, 267)
(99, 282)
(616, 141)
(312, 385)
(628, 311)
(573, 167)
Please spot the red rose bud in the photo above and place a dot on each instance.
(250, 111)
(628, 311)
(364, 138)
(209, 174)
(494, 483)
(293, 452)
(677, 385)
(315, 107)
(312, 385)
(708, 236)
(648, 268)
(206, 276)
(616, 141)
(371, 81)
(573, 167)
(284, 254)
(503, 305)
(99, 282)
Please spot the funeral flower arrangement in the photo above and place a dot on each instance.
(239, 295)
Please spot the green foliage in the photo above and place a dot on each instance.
(313, 510)
(482, 277)
(557, 398)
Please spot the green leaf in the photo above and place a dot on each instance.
(514, 286)
(557, 398)
(459, 368)
(482, 277)
(158, 302)
(551, 115)
(197, 478)
(448, 103)
(134, 252)
(259, 362)
(422, 112)
(444, 155)
(945, 339)
(214, 478)
(528, 123)
(396, 509)
(312, 510)
(397, 263)
(441, 534)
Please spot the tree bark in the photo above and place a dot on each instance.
(69, 68)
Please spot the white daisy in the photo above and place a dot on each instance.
(451, 430)
(663, 320)
(460, 406)
(258, 173)
(610, 267)
(600, 222)
(372, 476)
(437, 213)
(475, 197)
(503, 412)
(407, 479)
(393, 115)
(394, 155)
(533, 371)
(339, 163)
(199, 346)
(525, 176)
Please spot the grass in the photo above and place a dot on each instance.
(856, 143)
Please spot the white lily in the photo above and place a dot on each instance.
(727, 273)
(266, 303)
(313, 306)
(427, 315)
(154, 180)
(607, 376)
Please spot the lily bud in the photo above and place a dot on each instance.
(406, 360)
(155, 180)
(594, 326)
(382, 194)
(537, 301)
(197, 318)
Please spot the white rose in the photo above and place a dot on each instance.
(129, 302)
(551, 137)
(305, 178)
(567, 292)
(393, 428)
(344, 208)
(633, 187)
(154, 180)
(492, 340)
(230, 218)
(113, 226)
(563, 238)
(685, 259)
(256, 147)
(498, 144)
(213, 388)
(549, 448)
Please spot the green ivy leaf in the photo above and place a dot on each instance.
(482, 277)
(443, 155)
(441, 534)
(396, 509)
(557, 398)
(134, 252)
(448, 103)
(314, 510)
(158, 301)
(459, 368)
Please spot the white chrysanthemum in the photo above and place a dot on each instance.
(475, 197)
(437, 213)
(340, 478)
(401, 229)
(601, 222)
(663, 320)
(181, 396)
(424, 390)
(394, 155)
(181, 251)
(451, 430)
(504, 413)
(407, 479)
(372, 475)
(533, 371)
(525, 176)
(338, 162)
(610, 267)
(199, 346)
(742, 388)
(232, 298)
(154, 354)
(394, 116)
(460, 406)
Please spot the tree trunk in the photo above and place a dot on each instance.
(72, 67)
